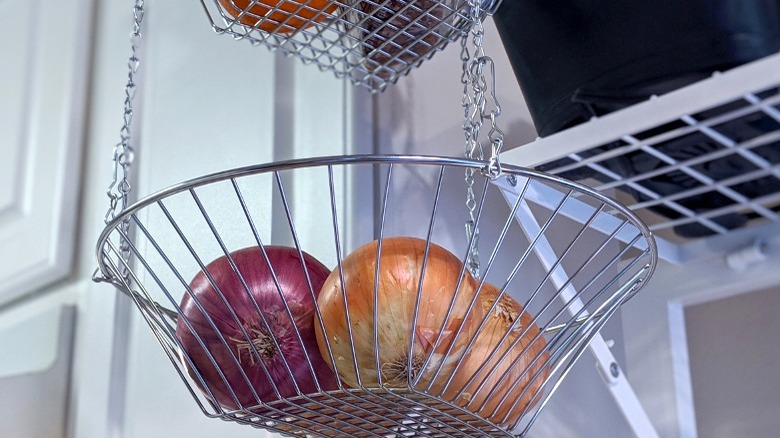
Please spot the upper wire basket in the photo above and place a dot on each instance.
(371, 42)
(273, 316)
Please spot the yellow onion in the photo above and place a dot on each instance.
(493, 391)
(398, 283)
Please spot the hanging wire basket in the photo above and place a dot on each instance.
(371, 42)
(482, 353)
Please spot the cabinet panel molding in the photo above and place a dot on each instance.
(41, 130)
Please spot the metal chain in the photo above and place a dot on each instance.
(119, 189)
(476, 92)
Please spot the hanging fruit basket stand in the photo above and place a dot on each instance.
(410, 334)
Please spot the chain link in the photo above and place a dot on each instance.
(479, 103)
(124, 154)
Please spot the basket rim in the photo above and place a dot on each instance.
(573, 345)
(332, 160)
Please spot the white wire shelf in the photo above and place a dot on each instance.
(695, 164)
(371, 42)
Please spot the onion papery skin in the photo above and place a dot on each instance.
(398, 283)
(253, 268)
(508, 374)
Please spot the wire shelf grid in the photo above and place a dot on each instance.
(566, 255)
(371, 42)
(701, 174)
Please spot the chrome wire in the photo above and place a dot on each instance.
(608, 256)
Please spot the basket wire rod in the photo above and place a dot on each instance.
(638, 419)
(399, 407)
(512, 274)
(581, 335)
(499, 243)
(511, 329)
(123, 286)
(224, 301)
(423, 160)
(214, 26)
(570, 357)
(248, 293)
(200, 307)
(380, 239)
(381, 231)
(544, 196)
(318, 315)
(384, 5)
(251, 297)
(291, 223)
(590, 317)
(170, 350)
(464, 426)
(244, 12)
(275, 279)
(167, 343)
(376, 285)
(562, 288)
(142, 304)
(313, 426)
(340, 267)
(559, 259)
(575, 323)
(566, 364)
(609, 239)
(411, 378)
(211, 323)
(455, 420)
(461, 277)
(563, 255)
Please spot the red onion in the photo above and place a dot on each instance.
(234, 314)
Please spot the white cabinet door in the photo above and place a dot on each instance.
(42, 95)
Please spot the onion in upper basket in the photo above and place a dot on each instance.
(400, 273)
(233, 334)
